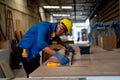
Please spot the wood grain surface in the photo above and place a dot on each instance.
(99, 63)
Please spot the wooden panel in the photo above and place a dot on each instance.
(4, 63)
(55, 47)
(49, 78)
(100, 41)
(68, 42)
(99, 63)
(119, 9)
(109, 8)
(110, 12)
(45, 56)
(61, 51)
(111, 2)
(109, 42)
(6, 69)
(2, 75)
(3, 45)
(112, 16)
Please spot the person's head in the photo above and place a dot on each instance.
(64, 26)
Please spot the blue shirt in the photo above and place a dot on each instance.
(37, 38)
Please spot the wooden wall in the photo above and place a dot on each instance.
(119, 9)
(110, 11)
(24, 15)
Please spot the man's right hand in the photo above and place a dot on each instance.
(62, 58)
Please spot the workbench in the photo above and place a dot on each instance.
(99, 62)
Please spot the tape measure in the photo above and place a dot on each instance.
(53, 64)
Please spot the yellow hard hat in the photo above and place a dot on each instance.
(68, 24)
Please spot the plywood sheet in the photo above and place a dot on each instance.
(54, 59)
(3, 45)
(74, 71)
(48, 79)
(6, 69)
(99, 63)
(46, 56)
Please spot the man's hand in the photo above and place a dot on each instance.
(69, 48)
(62, 58)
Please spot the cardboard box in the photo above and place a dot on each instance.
(107, 42)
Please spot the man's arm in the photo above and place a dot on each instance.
(49, 50)
(69, 48)
(62, 58)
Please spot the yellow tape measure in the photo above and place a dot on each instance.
(52, 64)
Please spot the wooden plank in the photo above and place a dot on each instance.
(111, 17)
(3, 45)
(109, 5)
(55, 47)
(110, 9)
(61, 51)
(99, 63)
(6, 69)
(49, 78)
(4, 59)
(70, 56)
(2, 75)
(2, 36)
(110, 13)
(107, 42)
(119, 10)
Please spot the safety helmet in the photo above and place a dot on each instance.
(68, 24)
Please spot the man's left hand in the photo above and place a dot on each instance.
(69, 48)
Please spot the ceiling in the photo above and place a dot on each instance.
(81, 9)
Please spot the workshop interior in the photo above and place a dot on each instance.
(95, 38)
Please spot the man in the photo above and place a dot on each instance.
(38, 38)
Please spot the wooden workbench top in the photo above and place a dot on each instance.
(99, 63)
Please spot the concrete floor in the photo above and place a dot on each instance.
(19, 73)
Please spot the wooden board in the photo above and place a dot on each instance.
(3, 45)
(49, 79)
(46, 56)
(107, 42)
(4, 63)
(54, 59)
(6, 69)
(99, 63)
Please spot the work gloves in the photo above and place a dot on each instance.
(69, 48)
(62, 58)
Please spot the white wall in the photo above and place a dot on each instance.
(77, 28)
